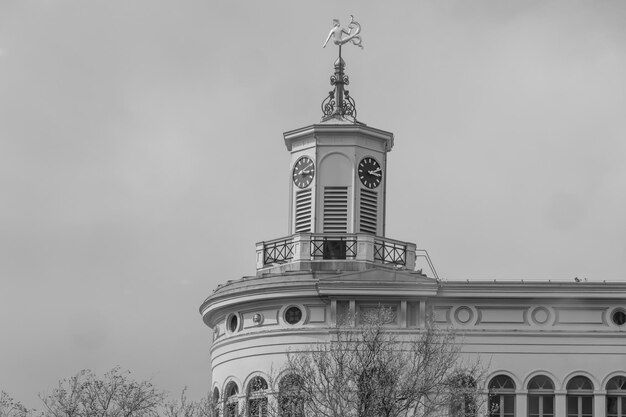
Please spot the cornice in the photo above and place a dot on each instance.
(376, 289)
(351, 128)
(254, 289)
(380, 283)
(373, 283)
(533, 289)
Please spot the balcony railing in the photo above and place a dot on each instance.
(314, 247)
(278, 251)
(333, 247)
(388, 252)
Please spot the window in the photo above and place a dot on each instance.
(616, 397)
(579, 397)
(293, 315)
(463, 396)
(290, 396)
(231, 400)
(216, 402)
(619, 317)
(501, 397)
(540, 397)
(257, 398)
(233, 323)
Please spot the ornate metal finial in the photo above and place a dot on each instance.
(338, 102)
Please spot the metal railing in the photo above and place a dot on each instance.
(389, 252)
(360, 247)
(278, 251)
(333, 247)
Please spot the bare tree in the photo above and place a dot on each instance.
(183, 407)
(374, 370)
(11, 408)
(114, 395)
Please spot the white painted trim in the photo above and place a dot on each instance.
(556, 381)
(586, 374)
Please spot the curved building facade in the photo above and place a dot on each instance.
(553, 348)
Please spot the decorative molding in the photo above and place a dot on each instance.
(441, 314)
(502, 315)
(269, 316)
(580, 315)
(572, 374)
(537, 372)
(316, 313)
(542, 316)
(464, 315)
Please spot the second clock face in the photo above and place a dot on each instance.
(303, 172)
(370, 172)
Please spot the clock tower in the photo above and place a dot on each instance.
(337, 189)
(338, 169)
(338, 172)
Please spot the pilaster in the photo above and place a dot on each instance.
(599, 403)
(521, 403)
(403, 314)
(421, 318)
(560, 403)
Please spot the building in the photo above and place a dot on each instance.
(554, 348)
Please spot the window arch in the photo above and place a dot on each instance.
(501, 396)
(291, 396)
(231, 399)
(257, 397)
(579, 397)
(462, 396)
(540, 397)
(616, 397)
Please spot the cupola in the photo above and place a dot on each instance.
(337, 189)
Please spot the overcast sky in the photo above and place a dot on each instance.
(141, 157)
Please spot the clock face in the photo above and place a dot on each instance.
(370, 173)
(303, 172)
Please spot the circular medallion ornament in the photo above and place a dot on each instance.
(540, 315)
(370, 172)
(463, 315)
(303, 172)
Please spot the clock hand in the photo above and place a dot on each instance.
(304, 170)
(375, 173)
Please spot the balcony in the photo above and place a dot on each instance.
(324, 251)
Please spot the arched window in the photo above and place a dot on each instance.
(540, 397)
(501, 397)
(216, 402)
(257, 397)
(616, 397)
(579, 397)
(231, 399)
(291, 396)
(462, 396)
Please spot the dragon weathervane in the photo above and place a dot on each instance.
(339, 103)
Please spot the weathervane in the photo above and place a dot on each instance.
(338, 103)
(337, 31)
